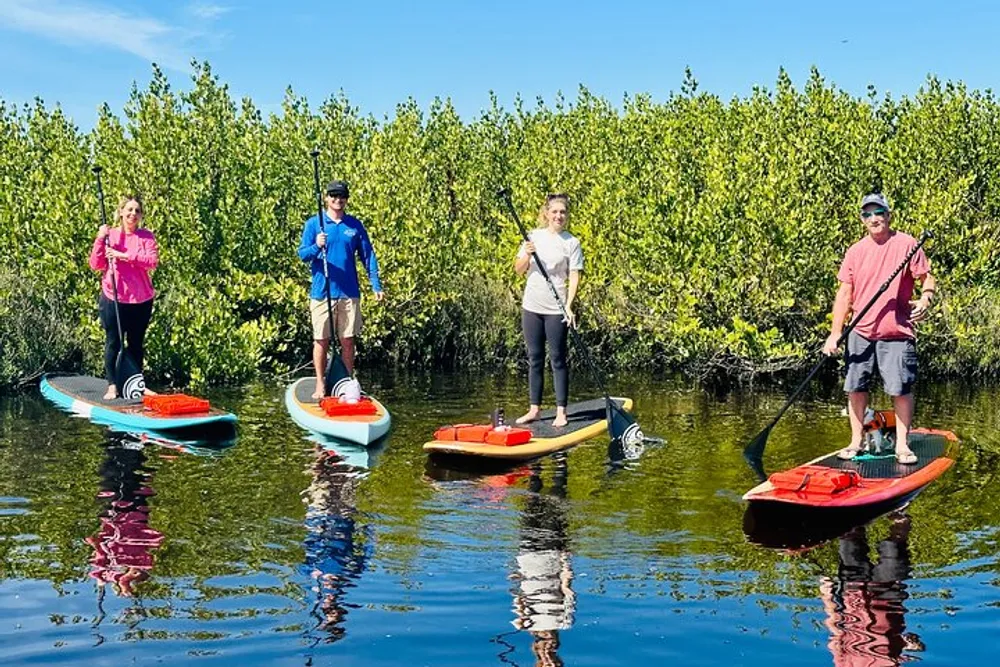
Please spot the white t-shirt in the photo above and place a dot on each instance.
(560, 253)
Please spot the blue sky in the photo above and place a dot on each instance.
(81, 53)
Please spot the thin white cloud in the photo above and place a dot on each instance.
(82, 24)
(207, 11)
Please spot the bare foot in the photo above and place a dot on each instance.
(150, 392)
(529, 416)
(111, 394)
(560, 419)
(320, 391)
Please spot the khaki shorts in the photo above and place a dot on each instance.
(346, 312)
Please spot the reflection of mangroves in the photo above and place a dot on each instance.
(864, 603)
(699, 197)
(335, 556)
(124, 544)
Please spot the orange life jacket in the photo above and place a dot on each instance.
(815, 480)
(504, 435)
(332, 406)
(175, 404)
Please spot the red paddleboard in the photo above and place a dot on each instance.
(866, 481)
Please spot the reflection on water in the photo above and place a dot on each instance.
(280, 550)
(336, 547)
(544, 600)
(865, 602)
(123, 545)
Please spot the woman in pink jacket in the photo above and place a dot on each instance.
(127, 254)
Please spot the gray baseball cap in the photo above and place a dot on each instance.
(875, 198)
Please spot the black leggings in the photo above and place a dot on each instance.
(537, 329)
(135, 320)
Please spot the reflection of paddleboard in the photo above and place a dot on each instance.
(208, 447)
(359, 429)
(352, 454)
(587, 419)
(872, 482)
(84, 396)
(796, 528)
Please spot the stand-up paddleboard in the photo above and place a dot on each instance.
(586, 419)
(84, 396)
(307, 413)
(876, 483)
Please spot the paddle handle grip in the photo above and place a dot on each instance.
(97, 169)
(314, 154)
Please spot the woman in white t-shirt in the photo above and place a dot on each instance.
(541, 317)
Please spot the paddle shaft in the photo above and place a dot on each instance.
(545, 274)
(854, 321)
(326, 248)
(114, 273)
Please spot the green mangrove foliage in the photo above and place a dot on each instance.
(713, 229)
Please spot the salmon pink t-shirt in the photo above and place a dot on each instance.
(866, 266)
(134, 284)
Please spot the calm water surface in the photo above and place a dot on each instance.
(280, 549)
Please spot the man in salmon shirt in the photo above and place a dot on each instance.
(883, 340)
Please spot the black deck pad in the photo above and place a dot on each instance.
(578, 415)
(927, 447)
(89, 389)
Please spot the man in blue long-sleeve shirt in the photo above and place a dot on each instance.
(337, 238)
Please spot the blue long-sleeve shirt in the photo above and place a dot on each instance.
(344, 240)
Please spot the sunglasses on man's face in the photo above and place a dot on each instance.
(872, 213)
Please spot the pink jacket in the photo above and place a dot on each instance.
(134, 284)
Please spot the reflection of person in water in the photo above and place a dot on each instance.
(123, 545)
(334, 555)
(544, 600)
(864, 604)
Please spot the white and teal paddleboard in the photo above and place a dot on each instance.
(83, 395)
(306, 412)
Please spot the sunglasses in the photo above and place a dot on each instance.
(872, 213)
(557, 195)
(331, 195)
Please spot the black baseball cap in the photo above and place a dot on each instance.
(337, 189)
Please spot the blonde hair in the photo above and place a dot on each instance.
(121, 204)
(542, 220)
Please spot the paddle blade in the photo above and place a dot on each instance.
(753, 453)
(621, 450)
(129, 382)
(622, 426)
(336, 373)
